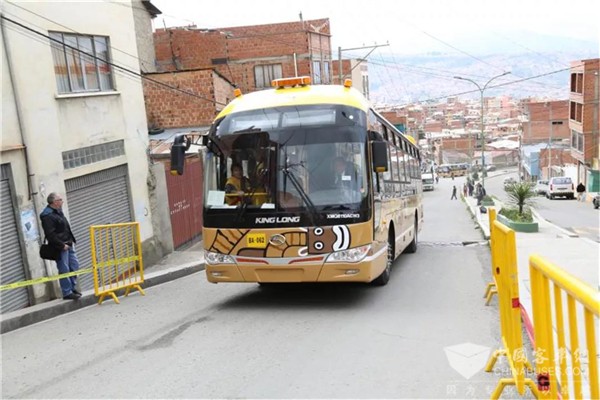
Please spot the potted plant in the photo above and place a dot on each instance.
(519, 217)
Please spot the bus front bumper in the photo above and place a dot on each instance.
(309, 270)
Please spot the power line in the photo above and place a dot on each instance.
(492, 87)
(137, 58)
(124, 69)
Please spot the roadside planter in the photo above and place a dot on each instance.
(528, 227)
(487, 201)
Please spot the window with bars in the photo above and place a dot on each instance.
(264, 74)
(326, 72)
(88, 155)
(317, 72)
(81, 63)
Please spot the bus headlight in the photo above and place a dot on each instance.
(218, 258)
(351, 255)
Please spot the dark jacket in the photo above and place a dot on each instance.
(56, 228)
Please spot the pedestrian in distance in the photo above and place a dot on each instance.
(580, 191)
(437, 179)
(59, 235)
(453, 193)
(480, 193)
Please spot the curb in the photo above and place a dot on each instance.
(539, 217)
(50, 309)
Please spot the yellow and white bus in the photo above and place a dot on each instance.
(332, 190)
(453, 170)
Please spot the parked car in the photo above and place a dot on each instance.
(560, 186)
(596, 201)
(541, 187)
(490, 167)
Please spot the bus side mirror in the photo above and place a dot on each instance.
(180, 145)
(380, 156)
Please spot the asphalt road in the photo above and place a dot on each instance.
(427, 334)
(575, 216)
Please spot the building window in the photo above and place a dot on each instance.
(264, 74)
(576, 111)
(88, 155)
(577, 83)
(81, 63)
(317, 72)
(577, 141)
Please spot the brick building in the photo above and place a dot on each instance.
(250, 56)
(204, 93)
(583, 121)
(546, 120)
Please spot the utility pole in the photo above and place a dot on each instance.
(341, 76)
(550, 143)
(481, 90)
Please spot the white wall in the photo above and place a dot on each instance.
(53, 123)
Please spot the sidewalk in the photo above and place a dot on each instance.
(175, 265)
(575, 255)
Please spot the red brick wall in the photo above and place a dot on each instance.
(460, 144)
(394, 117)
(538, 128)
(245, 47)
(559, 157)
(589, 69)
(167, 108)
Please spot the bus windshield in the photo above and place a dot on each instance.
(291, 159)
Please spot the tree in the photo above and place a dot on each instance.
(521, 194)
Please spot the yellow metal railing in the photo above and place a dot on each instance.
(116, 259)
(506, 280)
(542, 274)
(491, 288)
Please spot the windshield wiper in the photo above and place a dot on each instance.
(250, 129)
(312, 211)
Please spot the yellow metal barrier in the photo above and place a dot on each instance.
(491, 288)
(504, 259)
(542, 273)
(116, 259)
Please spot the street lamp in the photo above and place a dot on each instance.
(481, 90)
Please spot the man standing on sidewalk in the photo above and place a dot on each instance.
(453, 193)
(59, 235)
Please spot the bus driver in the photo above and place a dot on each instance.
(236, 184)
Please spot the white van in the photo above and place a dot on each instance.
(560, 186)
(427, 181)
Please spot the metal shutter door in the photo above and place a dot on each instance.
(11, 261)
(96, 199)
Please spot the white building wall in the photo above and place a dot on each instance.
(53, 123)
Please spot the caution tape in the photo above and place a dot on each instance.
(44, 279)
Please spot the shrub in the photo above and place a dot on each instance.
(514, 215)
(521, 195)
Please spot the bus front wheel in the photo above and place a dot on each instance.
(384, 278)
(412, 247)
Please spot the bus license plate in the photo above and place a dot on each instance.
(258, 240)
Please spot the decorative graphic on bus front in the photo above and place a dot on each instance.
(318, 240)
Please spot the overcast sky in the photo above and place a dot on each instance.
(409, 26)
